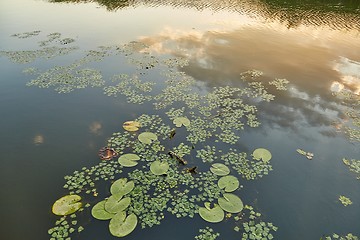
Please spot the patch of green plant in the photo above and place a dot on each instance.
(207, 233)
(353, 165)
(336, 236)
(345, 200)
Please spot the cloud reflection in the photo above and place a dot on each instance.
(95, 128)
(315, 61)
(38, 139)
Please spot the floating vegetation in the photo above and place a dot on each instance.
(129, 160)
(345, 200)
(131, 126)
(280, 83)
(262, 154)
(308, 155)
(249, 169)
(213, 215)
(207, 154)
(159, 168)
(181, 121)
(353, 165)
(131, 87)
(231, 203)
(66, 79)
(67, 205)
(336, 236)
(155, 153)
(147, 137)
(219, 169)
(228, 183)
(26, 34)
(207, 234)
(352, 102)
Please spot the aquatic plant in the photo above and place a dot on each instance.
(207, 233)
(155, 152)
(353, 165)
(308, 155)
(336, 236)
(67, 205)
(345, 200)
(211, 214)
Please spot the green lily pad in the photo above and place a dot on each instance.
(231, 203)
(67, 205)
(229, 183)
(179, 121)
(129, 160)
(99, 212)
(262, 154)
(122, 186)
(213, 215)
(116, 203)
(159, 168)
(147, 137)
(121, 226)
(131, 126)
(219, 169)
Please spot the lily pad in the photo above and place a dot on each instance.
(262, 154)
(180, 121)
(231, 203)
(219, 169)
(131, 126)
(121, 226)
(229, 183)
(147, 137)
(116, 203)
(159, 168)
(129, 160)
(66, 205)
(213, 215)
(99, 212)
(122, 186)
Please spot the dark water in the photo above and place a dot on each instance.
(315, 45)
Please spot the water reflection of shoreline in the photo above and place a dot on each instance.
(290, 13)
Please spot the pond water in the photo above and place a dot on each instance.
(247, 74)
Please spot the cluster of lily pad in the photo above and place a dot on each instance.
(66, 207)
(345, 200)
(352, 102)
(353, 165)
(161, 156)
(254, 228)
(207, 233)
(336, 236)
(308, 155)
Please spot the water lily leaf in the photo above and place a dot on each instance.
(66, 205)
(179, 121)
(231, 203)
(128, 160)
(147, 137)
(122, 186)
(131, 126)
(229, 183)
(99, 212)
(219, 169)
(116, 203)
(262, 154)
(159, 168)
(213, 215)
(120, 225)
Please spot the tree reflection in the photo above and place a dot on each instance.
(335, 13)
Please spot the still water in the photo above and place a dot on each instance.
(46, 135)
